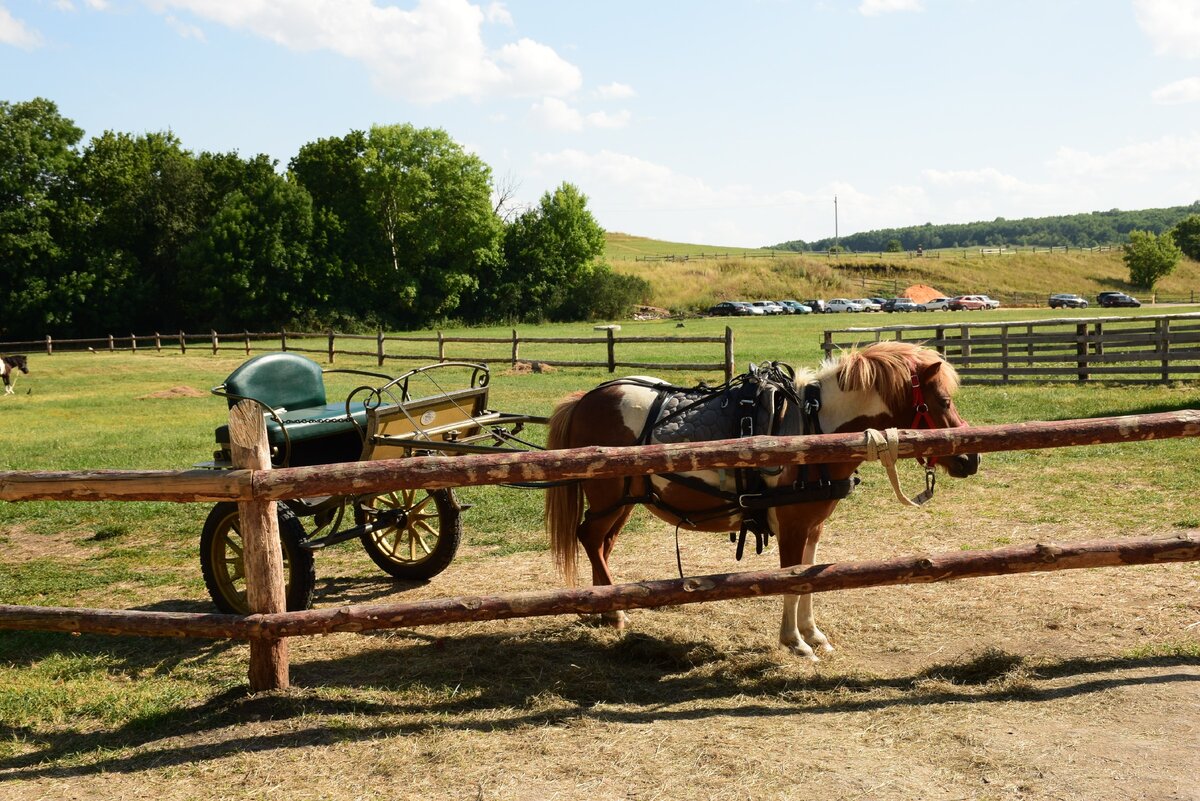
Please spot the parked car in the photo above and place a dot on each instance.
(900, 305)
(868, 304)
(794, 307)
(880, 301)
(1066, 301)
(990, 303)
(769, 307)
(730, 308)
(937, 304)
(1113, 299)
(816, 304)
(968, 303)
(842, 305)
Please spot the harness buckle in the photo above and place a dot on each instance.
(741, 499)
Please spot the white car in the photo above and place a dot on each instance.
(990, 303)
(769, 307)
(937, 304)
(868, 304)
(842, 305)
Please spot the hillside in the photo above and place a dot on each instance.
(1023, 278)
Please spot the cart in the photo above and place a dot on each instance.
(411, 534)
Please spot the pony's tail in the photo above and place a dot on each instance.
(564, 503)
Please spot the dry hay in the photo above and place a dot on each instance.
(524, 368)
(922, 293)
(173, 392)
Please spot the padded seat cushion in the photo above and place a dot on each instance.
(280, 380)
(308, 424)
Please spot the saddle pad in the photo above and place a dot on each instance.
(699, 416)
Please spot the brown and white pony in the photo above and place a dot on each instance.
(9, 365)
(884, 385)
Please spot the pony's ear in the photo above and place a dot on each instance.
(930, 371)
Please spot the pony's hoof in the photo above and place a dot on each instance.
(617, 620)
(801, 650)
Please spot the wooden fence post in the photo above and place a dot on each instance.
(441, 346)
(516, 345)
(729, 353)
(262, 554)
(215, 344)
(379, 347)
(182, 343)
(1164, 347)
(1081, 351)
(283, 340)
(49, 346)
(247, 335)
(157, 342)
(612, 351)
(331, 346)
(112, 348)
(133, 343)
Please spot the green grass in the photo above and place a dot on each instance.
(91, 411)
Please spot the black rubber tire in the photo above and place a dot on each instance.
(420, 545)
(221, 560)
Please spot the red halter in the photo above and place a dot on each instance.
(921, 416)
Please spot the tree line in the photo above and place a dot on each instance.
(395, 227)
(1075, 230)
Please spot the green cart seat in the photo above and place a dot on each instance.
(293, 388)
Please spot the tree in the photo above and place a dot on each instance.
(38, 219)
(550, 253)
(1187, 236)
(1150, 257)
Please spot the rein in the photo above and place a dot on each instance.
(883, 446)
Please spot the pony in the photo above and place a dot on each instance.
(884, 385)
(8, 367)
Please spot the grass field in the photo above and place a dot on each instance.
(1054, 686)
(699, 282)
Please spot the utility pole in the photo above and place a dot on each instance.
(835, 224)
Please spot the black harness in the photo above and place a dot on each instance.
(764, 400)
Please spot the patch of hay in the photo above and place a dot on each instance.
(524, 368)
(174, 392)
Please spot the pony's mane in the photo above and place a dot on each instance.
(886, 367)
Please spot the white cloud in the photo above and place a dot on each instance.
(498, 13)
(1167, 155)
(16, 33)
(602, 119)
(556, 115)
(184, 29)
(873, 8)
(615, 91)
(432, 53)
(1173, 26)
(983, 177)
(1177, 93)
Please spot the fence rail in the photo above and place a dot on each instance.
(268, 629)
(299, 342)
(1152, 348)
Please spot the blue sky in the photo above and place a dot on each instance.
(711, 122)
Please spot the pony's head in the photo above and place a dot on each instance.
(916, 387)
(18, 362)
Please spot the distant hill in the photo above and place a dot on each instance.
(1076, 230)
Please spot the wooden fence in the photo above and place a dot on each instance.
(1151, 348)
(257, 488)
(301, 342)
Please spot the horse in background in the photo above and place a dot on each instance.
(884, 385)
(9, 365)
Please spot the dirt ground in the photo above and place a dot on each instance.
(1072, 685)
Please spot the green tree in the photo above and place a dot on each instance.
(551, 253)
(39, 219)
(1187, 236)
(894, 246)
(1150, 257)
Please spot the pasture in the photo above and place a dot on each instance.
(1081, 684)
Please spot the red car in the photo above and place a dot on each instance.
(968, 302)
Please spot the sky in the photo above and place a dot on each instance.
(720, 123)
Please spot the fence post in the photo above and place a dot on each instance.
(379, 347)
(1164, 347)
(964, 347)
(826, 344)
(215, 344)
(331, 346)
(728, 353)
(133, 343)
(283, 340)
(247, 334)
(516, 346)
(1004, 376)
(112, 348)
(612, 351)
(441, 346)
(1081, 351)
(939, 340)
(182, 343)
(49, 346)
(262, 553)
(157, 342)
